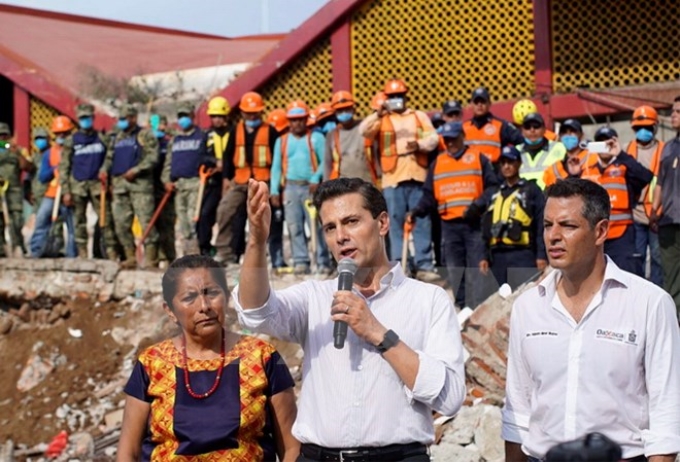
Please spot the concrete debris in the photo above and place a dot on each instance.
(35, 371)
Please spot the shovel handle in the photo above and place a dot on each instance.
(55, 206)
(102, 207)
(155, 216)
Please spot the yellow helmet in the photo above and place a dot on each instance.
(218, 106)
(521, 109)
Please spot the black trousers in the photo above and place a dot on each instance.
(208, 216)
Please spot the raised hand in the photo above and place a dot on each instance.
(259, 211)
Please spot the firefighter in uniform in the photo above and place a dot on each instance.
(624, 178)
(512, 225)
(186, 155)
(129, 164)
(81, 158)
(217, 139)
(488, 134)
(571, 136)
(165, 223)
(646, 149)
(454, 181)
(538, 153)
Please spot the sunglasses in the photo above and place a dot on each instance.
(532, 126)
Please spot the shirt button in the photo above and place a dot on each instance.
(360, 367)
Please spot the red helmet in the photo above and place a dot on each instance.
(277, 118)
(395, 86)
(297, 109)
(342, 99)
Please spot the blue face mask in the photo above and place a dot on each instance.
(184, 122)
(253, 123)
(60, 140)
(528, 142)
(85, 122)
(644, 135)
(344, 117)
(123, 124)
(569, 141)
(159, 133)
(41, 144)
(329, 126)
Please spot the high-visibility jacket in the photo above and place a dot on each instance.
(219, 143)
(557, 171)
(284, 155)
(487, 139)
(507, 213)
(262, 155)
(613, 179)
(55, 158)
(647, 194)
(533, 167)
(456, 183)
(337, 157)
(387, 144)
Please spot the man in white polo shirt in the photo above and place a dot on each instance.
(592, 348)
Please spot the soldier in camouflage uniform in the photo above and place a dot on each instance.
(12, 162)
(186, 154)
(82, 157)
(165, 224)
(129, 163)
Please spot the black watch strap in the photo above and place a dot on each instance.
(391, 338)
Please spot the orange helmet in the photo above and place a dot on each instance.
(342, 99)
(312, 119)
(394, 87)
(251, 102)
(277, 118)
(644, 115)
(61, 124)
(323, 111)
(297, 109)
(378, 100)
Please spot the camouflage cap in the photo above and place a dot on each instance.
(4, 129)
(127, 110)
(84, 110)
(40, 132)
(185, 108)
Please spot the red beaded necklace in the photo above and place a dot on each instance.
(191, 392)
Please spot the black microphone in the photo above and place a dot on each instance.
(346, 270)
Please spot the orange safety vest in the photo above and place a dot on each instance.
(613, 179)
(284, 155)
(647, 194)
(55, 158)
(262, 155)
(557, 171)
(337, 157)
(456, 183)
(550, 135)
(387, 144)
(487, 139)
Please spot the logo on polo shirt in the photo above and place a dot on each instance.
(606, 334)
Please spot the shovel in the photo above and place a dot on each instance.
(4, 185)
(102, 221)
(51, 249)
(408, 227)
(203, 173)
(311, 211)
(154, 217)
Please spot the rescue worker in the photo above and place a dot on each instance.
(186, 155)
(249, 154)
(48, 176)
(82, 157)
(217, 139)
(523, 108)
(165, 223)
(41, 142)
(485, 132)
(277, 118)
(347, 153)
(130, 160)
(454, 181)
(405, 138)
(512, 225)
(624, 178)
(452, 111)
(12, 162)
(538, 153)
(646, 149)
(571, 136)
(297, 168)
(325, 118)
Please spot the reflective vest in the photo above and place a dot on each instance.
(613, 179)
(510, 221)
(456, 183)
(186, 151)
(262, 155)
(55, 158)
(647, 194)
(127, 151)
(219, 143)
(337, 157)
(487, 139)
(557, 171)
(533, 166)
(387, 144)
(89, 152)
(284, 155)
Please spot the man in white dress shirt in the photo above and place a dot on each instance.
(373, 399)
(592, 348)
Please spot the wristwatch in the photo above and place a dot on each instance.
(391, 338)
